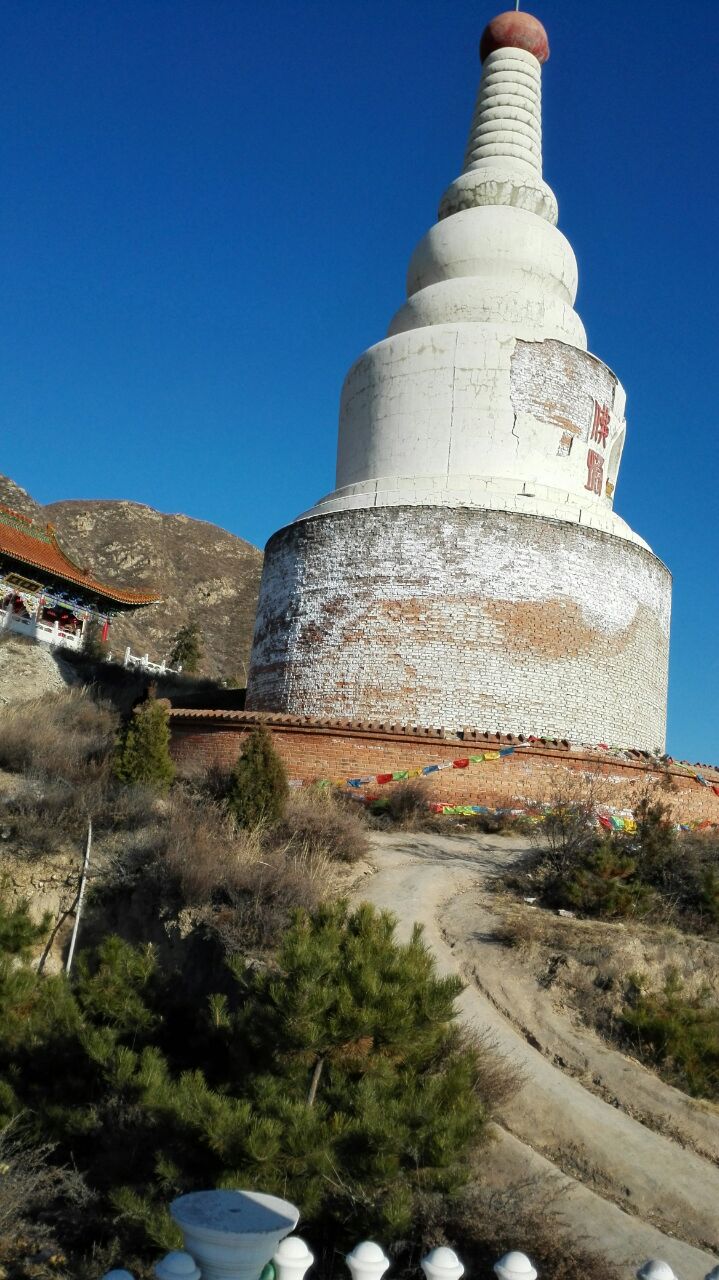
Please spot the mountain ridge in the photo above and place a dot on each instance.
(202, 572)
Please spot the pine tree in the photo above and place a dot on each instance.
(94, 647)
(187, 648)
(366, 1073)
(337, 1078)
(258, 784)
(143, 752)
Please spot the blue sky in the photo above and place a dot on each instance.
(207, 211)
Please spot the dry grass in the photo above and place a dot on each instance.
(63, 735)
(321, 821)
(242, 885)
(527, 1217)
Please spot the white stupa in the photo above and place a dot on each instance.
(469, 568)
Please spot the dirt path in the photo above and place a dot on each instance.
(628, 1190)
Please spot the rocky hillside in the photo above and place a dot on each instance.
(11, 495)
(201, 571)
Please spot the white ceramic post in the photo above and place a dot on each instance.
(367, 1261)
(514, 1266)
(232, 1235)
(655, 1269)
(177, 1266)
(442, 1264)
(292, 1259)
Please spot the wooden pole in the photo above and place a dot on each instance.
(80, 896)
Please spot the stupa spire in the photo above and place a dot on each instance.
(503, 160)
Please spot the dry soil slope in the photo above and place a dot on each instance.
(637, 1193)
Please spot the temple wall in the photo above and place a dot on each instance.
(534, 774)
(456, 616)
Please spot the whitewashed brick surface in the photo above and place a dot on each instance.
(453, 617)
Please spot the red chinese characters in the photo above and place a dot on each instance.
(595, 471)
(600, 424)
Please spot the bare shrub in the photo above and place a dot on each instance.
(407, 805)
(131, 808)
(30, 1181)
(499, 1078)
(44, 812)
(199, 847)
(61, 735)
(519, 930)
(318, 821)
(569, 827)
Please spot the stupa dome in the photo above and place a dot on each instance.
(515, 30)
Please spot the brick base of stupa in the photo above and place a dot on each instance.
(464, 616)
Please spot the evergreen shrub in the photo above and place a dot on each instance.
(677, 1032)
(187, 649)
(336, 1076)
(654, 871)
(143, 751)
(258, 784)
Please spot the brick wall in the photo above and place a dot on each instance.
(448, 616)
(533, 774)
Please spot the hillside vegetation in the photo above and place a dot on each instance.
(214, 1055)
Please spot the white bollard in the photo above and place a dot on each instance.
(118, 1275)
(367, 1261)
(292, 1259)
(177, 1265)
(442, 1264)
(514, 1266)
(655, 1269)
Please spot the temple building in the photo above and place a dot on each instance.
(46, 596)
(469, 568)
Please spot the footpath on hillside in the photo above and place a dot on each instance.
(579, 1125)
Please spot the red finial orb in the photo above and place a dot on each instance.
(515, 30)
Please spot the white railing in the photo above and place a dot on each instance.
(46, 632)
(133, 662)
(240, 1235)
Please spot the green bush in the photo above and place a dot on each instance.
(94, 648)
(606, 884)
(143, 752)
(677, 1033)
(654, 871)
(258, 783)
